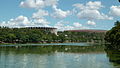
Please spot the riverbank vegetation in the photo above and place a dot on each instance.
(25, 35)
(113, 36)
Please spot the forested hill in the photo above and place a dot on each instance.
(88, 30)
(25, 35)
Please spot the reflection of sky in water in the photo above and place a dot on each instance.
(72, 44)
(56, 60)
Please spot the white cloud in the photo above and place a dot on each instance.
(91, 23)
(79, 6)
(77, 24)
(41, 22)
(30, 4)
(89, 5)
(92, 15)
(90, 11)
(40, 14)
(51, 2)
(94, 5)
(115, 10)
(37, 3)
(39, 18)
(68, 27)
(61, 25)
(22, 21)
(58, 13)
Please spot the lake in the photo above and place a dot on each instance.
(66, 55)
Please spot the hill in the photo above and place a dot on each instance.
(88, 30)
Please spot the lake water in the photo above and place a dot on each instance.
(69, 44)
(58, 56)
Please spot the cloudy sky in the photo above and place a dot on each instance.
(62, 14)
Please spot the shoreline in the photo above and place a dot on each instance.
(51, 44)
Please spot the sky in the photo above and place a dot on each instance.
(62, 14)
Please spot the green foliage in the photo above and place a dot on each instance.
(25, 35)
(114, 56)
(113, 35)
(82, 36)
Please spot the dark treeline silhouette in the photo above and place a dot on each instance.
(113, 48)
(113, 55)
(113, 36)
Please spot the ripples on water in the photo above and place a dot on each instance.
(54, 56)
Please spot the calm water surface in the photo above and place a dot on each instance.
(54, 56)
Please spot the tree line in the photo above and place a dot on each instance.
(25, 35)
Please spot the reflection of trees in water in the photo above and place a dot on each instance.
(113, 55)
(53, 49)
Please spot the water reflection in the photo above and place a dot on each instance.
(52, 49)
(54, 57)
(113, 55)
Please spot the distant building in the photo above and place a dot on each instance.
(50, 29)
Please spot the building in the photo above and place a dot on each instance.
(49, 29)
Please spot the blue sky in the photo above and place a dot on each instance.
(62, 14)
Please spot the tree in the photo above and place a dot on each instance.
(117, 23)
(113, 36)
